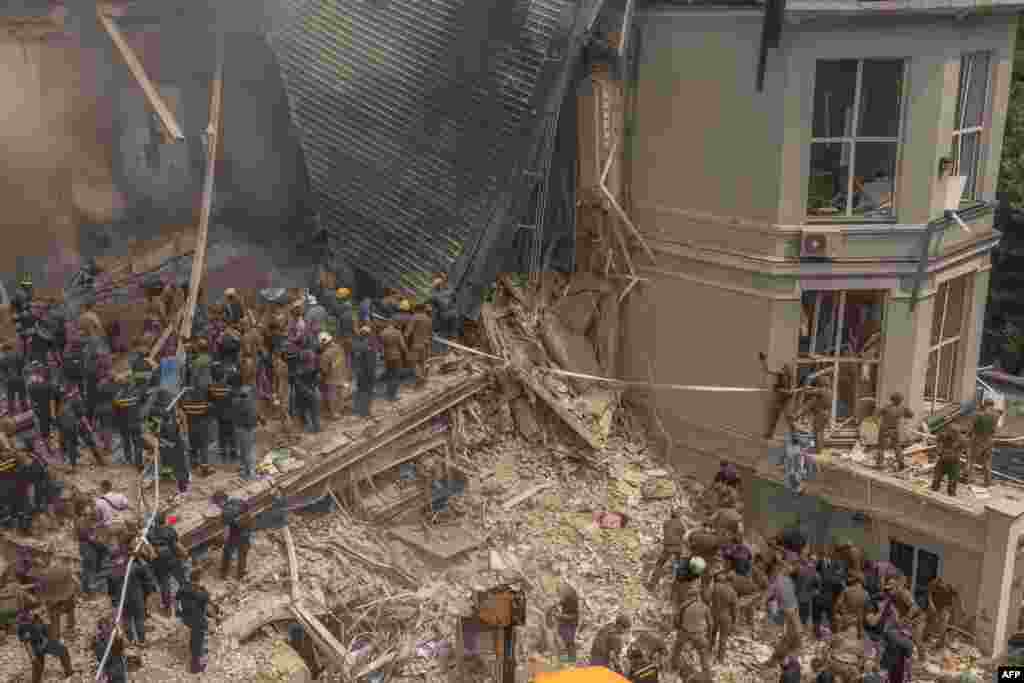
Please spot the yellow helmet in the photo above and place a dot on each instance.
(404, 305)
(343, 293)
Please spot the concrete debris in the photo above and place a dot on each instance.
(286, 666)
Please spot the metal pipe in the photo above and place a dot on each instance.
(627, 18)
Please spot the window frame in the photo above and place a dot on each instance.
(836, 359)
(937, 347)
(920, 593)
(982, 131)
(848, 216)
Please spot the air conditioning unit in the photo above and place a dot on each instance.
(817, 244)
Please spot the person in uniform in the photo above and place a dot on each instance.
(281, 393)
(833, 573)
(418, 333)
(951, 443)
(983, 431)
(246, 419)
(74, 426)
(195, 402)
(345, 315)
(12, 365)
(608, 642)
(238, 535)
(294, 345)
(364, 365)
(307, 388)
(673, 537)
(138, 580)
(167, 437)
(819, 405)
(568, 618)
(442, 299)
(724, 603)
(890, 430)
(335, 371)
(908, 612)
(395, 350)
(41, 393)
(194, 606)
(852, 603)
(693, 624)
(941, 599)
(220, 407)
(169, 555)
(782, 390)
(127, 416)
(115, 669)
(783, 593)
(35, 636)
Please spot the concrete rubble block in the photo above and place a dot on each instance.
(571, 351)
(286, 666)
(526, 420)
(577, 311)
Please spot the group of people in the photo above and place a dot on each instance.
(864, 610)
(294, 362)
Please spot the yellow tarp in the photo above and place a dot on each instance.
(588, 674)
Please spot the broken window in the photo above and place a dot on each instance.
(971, 106)
(855, 138)
(841, 338)
(918, 565)
(944, 353)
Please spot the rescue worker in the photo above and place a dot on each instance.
(73, 358)
(335, 372)
(898, 646)
(293, 347)
(389, 303)
(983, 431)
(115, 669)
(608, 642)
(851, 555)
(13, 367)
(941, 599)
(238, 534)
(808, 588)
(693, 621)
(364, 366)
(833, 574)
(139, 584)
(127, 416)
(395, 350)
(782, 390)
(783, 594)
(195, 402)
(673, 537)
(890, 430)
(281, 393)
(230, 351)
(41, 393)
(950, 444)
(747, 590)
(167, 437)
(234, 311)
(819, 406)
(442, 299)
(846, 654)
(908, 612)
(568, 618)
(194, 606)
(56, 589)
(345, 315)
(170, 554)
(74, 426)
(90, 549)
(246, 419)
(307, 388)
(418, 332)
(21, 308)
(724, 603)
(852, 603)
(35, 636)
(220, 408)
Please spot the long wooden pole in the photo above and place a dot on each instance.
(213, 140)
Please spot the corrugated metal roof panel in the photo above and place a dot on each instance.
(412, 116)
(895, 5)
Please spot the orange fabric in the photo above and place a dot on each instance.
(587, 674)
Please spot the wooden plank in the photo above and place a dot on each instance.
(199, 257)
(532, 491)
(399, 455)
(159, 346)
(334, 650)
(293, 563)
(163, 112)
(544, 394)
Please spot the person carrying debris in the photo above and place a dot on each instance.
(983, 432)
(364, 366)
(950, 444)
(608, 642)
(673, 538)
(238, 536)
(115, 670)
(194, 606)
(195, 402)
(35, 636)
(890, 430)
(782, 389)
(170, 554)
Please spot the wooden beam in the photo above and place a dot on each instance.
(293, 563)
(157, 103)
(213, 136)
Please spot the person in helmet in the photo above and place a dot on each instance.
(342, 311)
(693, 618)
(335, 372)
(173, 453)
(608, 642)
(40, 386)
(364, 367)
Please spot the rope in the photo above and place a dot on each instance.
(608, 380)
(128, 568)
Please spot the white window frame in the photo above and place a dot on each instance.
(852, 141)
(836, 359)
(959, 130)
(937, 348)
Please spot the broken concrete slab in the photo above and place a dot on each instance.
(577, 311)
(526, 420)
(441, 541)
(286, 666)
(571, 351)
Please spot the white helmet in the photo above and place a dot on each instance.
(698, 565)
(325, 338)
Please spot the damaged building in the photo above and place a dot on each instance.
(806, 216)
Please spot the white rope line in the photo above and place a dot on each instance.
(131, 560)
(608, 380)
